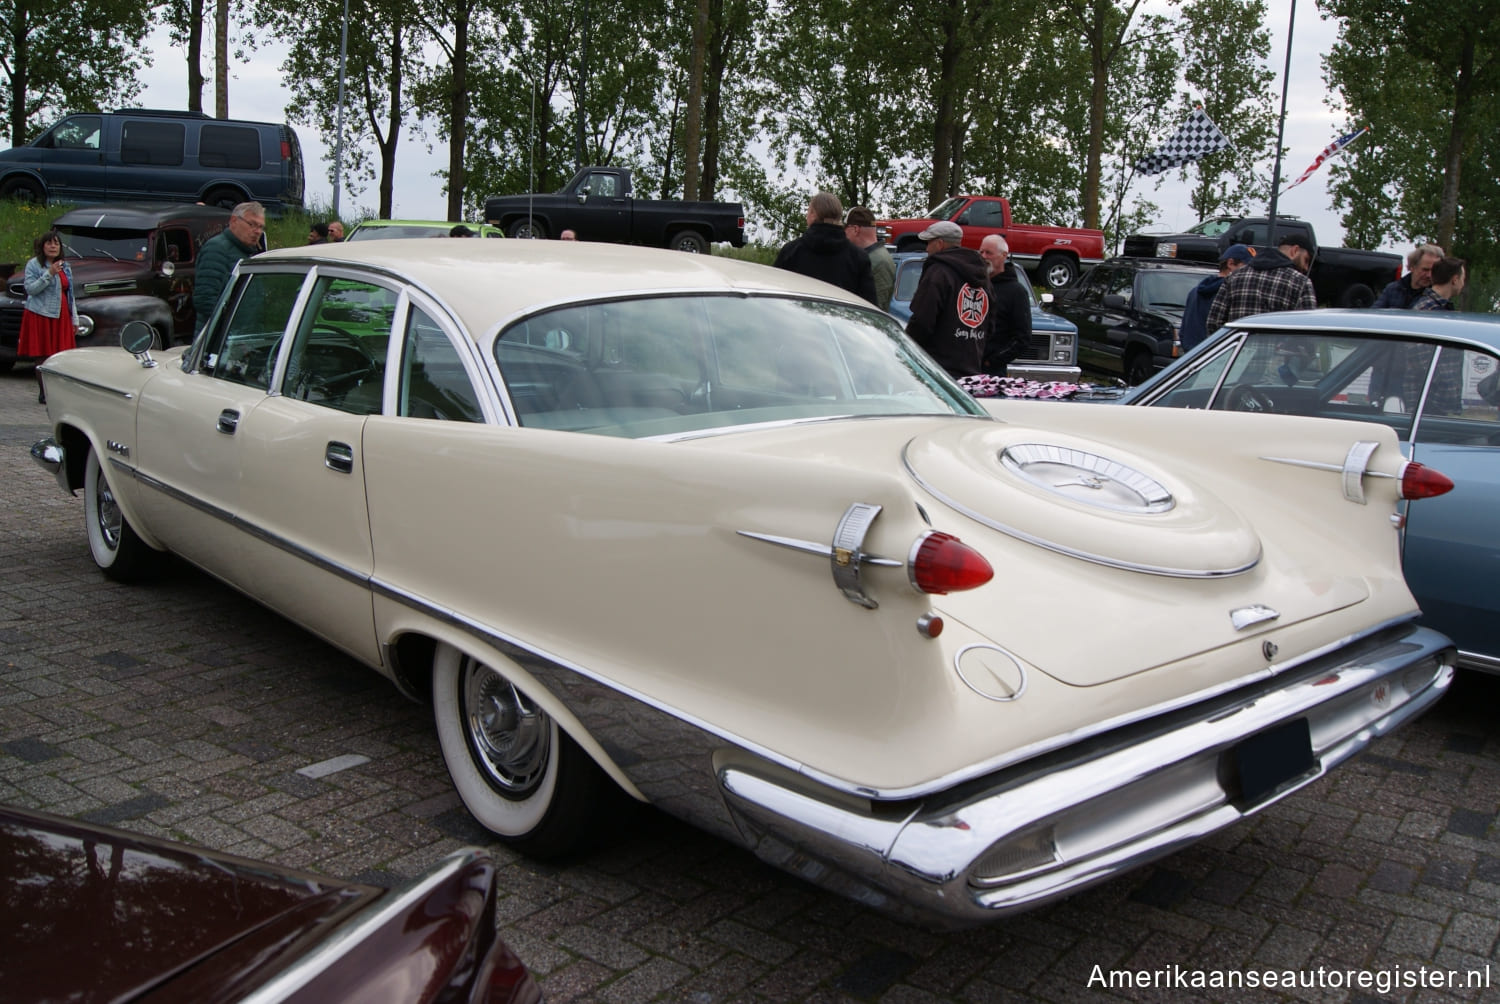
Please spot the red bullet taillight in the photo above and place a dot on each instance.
(1418, 482)
(941, 564)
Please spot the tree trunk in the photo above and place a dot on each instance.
(713, 97)
(20, 73)
(458, 114)
(221, 59)
(944, 180)
(692, 135)
(1093, 170)
(195, 56)
(1458, 135)
(393, 125)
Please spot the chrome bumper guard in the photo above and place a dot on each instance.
(1051, 826)
(51, 457)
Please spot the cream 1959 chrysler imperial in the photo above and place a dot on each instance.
(719, 537)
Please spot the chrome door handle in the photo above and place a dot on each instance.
(339, 457)
(229, 421)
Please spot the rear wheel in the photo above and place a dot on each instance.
(518, 774)
(688, 240)
(1059, 270)
(1357, 295)
(114, 546)
(526, 230)
(223, 198)
(22, 190)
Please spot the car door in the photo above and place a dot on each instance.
(607, 215)
(1452, 542)
(70, 158)
(191, 455)
(307, 552)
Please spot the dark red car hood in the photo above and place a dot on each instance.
(95, 914)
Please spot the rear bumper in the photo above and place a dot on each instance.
(1084, 814)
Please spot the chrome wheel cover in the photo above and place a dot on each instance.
(510, 738)
(107, 512)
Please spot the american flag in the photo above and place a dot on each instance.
(1328, 151)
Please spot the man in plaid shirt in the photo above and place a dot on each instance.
(1275, 280)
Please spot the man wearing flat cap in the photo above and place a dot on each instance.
(952, 311)
(1275, 280)
(1195, 312)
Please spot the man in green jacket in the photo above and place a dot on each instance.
(220, 253)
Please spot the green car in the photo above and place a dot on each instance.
(375, 230)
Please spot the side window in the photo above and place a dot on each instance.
(982, 214)
(602, 186)
(81, 132)
(174, 245)
(155, 143)
(434, 383)
(242, 347)
(1195, 390)
(234, 147)
(1462, 407)
(338, 354)
(1122, 283)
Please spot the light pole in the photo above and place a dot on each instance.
(1286, 76)
(338, 140)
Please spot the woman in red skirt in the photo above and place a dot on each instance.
(51, 317)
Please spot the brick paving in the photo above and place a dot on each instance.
(181, 709)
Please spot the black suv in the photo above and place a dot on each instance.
(130, 262)
(1128, 311)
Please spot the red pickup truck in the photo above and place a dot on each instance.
(1053, 255)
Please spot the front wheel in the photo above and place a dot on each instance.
(518, 774)
(688, 240)
(1059, 270)
(22, 190)
(119, 553)
(526, 230)
(1138, 367)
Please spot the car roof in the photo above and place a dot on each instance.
(140, 215)
(485, 281)
(1482, 329)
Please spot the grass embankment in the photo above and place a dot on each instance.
(22, 222)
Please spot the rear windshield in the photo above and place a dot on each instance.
(662, 366)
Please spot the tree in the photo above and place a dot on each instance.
(1428, 91)
(184, 22)
(59, 57)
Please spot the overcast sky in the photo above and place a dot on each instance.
(256, 92)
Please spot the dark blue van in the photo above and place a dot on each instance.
(162, 156)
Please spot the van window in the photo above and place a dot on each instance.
(151, 143)
(81, 132)
(229, 146)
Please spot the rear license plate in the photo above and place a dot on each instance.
(1263, 764)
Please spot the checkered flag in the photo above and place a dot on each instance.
(1198, 137)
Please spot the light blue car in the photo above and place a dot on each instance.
(1430, 376)
(1053, 354)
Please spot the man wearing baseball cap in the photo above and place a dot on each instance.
(1275, 280)
(952, 310)
(1195, 312)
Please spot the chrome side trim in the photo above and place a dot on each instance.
(259, 533)
(349, 936)
(1356, 463)
(1071, 552)
(1475, 661)
(53, 374)
(813, 547)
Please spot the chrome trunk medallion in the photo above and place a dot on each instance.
(1088, 478)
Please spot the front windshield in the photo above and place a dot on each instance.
(97, 242)
(662, 366)
(398, 231)
(948, 209)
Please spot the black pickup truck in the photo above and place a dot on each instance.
(1341, 277)
(597, 206)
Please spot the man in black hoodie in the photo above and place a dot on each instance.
(952, 311)
(824, 252)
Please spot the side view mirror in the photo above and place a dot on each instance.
(1115, 301)
(137, 337)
